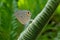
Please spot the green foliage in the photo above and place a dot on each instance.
(10, 27)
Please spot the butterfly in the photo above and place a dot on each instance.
(23, 16)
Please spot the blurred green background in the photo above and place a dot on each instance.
(10, 27)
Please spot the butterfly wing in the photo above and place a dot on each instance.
(22, 16)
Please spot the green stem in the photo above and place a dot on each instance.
(40, 21)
